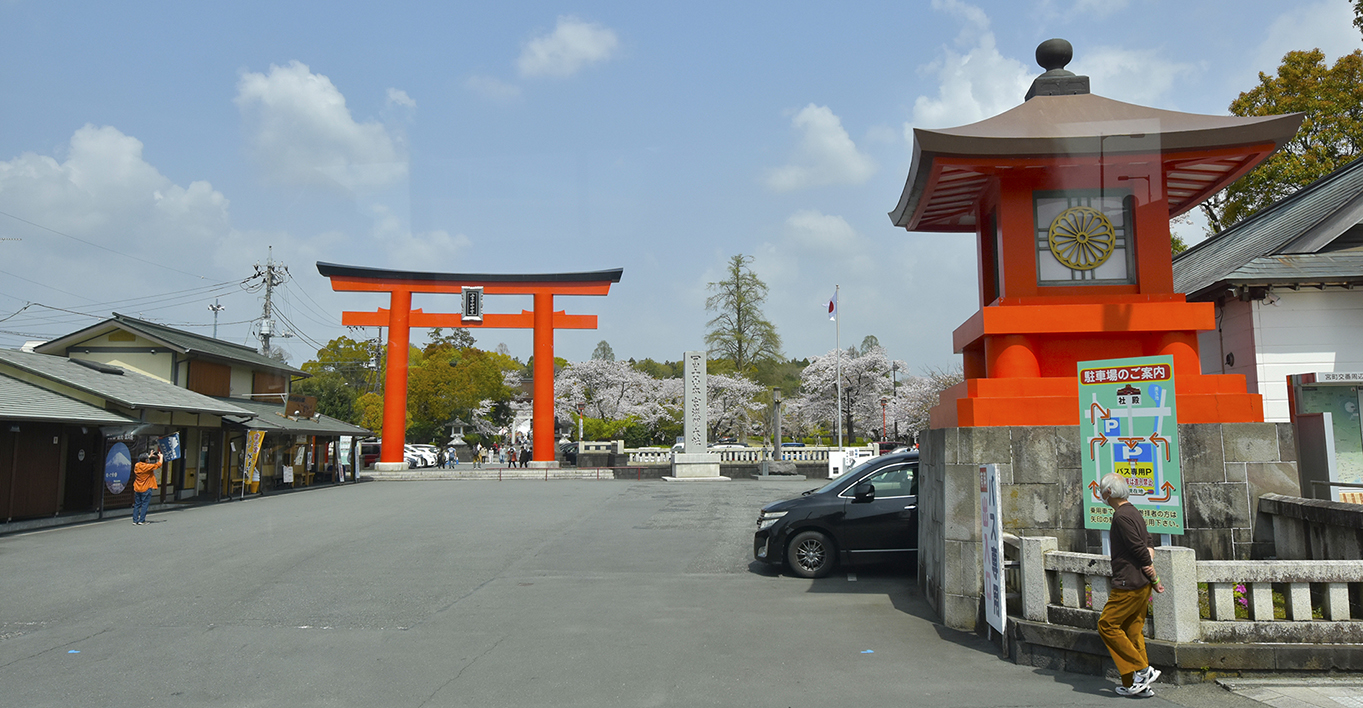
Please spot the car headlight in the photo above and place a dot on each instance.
(767, 518)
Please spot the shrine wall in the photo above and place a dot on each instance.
(1226, 467)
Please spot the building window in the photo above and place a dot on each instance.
(209, 378)
(269, 383)
(1084, 237)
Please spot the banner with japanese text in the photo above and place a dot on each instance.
(254, 439)
(1129, 425)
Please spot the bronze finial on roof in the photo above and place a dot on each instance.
(1053, 55)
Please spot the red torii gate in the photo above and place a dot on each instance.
(399, 318)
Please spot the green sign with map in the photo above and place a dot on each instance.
(1129, 425)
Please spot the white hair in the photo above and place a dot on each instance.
(1114, 486)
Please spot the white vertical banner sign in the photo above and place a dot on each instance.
(991, 527)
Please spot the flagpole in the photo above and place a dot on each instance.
(837, 338)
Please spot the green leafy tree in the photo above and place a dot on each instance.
(739, 333)
(459, 337)
(663, 370)
(335, 397)
(603, 351)
(369, 407)
(1331, 133)
(349, 359)
(341, 372)
(449, 383)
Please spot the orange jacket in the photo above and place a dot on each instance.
(144, 476)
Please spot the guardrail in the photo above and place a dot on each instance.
(1065, 588)
(646, 456)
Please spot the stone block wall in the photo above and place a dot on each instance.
(1225, 469)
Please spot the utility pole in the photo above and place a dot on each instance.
(216, 308)
(274, 274)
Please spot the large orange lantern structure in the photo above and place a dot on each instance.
(399, 318)
(1069, 196)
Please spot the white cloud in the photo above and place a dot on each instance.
(825, 154)
(817, 231)
(1099, 8)
(1141, 76)
(571, 46)
(104, 192)
(492, 88)
(428, 251)
(398, 97)
(301, 132)
(1326, 25)
(974, 84)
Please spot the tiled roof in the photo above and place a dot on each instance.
(1300, 223)
(269, 418)
(177, 339)
(25, 401)
(129, 388)
(1340, 268)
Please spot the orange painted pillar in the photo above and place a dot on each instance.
(542, 415)
(1010, 357)
(1182, 346)
(395, 382)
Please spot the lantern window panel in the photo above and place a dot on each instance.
(1085, 237)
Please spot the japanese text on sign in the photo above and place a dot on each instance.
(1124, 373)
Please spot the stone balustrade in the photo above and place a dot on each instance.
(1071, 588)
(659, 456)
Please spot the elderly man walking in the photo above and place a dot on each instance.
(1133, 576)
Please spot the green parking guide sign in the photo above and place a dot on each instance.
(1129, 425)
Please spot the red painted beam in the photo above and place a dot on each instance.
(418, 318)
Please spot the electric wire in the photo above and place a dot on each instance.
(103, 248)
(186, 297)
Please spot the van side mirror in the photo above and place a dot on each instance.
(863, 493)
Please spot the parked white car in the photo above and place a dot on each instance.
(416, 457)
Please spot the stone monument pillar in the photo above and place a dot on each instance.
(694, 462)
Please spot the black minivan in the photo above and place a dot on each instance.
(869, 514)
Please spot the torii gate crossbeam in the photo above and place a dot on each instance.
(399, 318)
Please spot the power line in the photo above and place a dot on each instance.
(102, 248)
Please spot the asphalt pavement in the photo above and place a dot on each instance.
(474, 593)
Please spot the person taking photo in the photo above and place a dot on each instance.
(144, 483)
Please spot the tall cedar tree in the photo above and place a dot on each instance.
(738, 333)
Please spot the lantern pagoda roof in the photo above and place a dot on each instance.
(1201, 154)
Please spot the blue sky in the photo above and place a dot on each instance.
(150, 154)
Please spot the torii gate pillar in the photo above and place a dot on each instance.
(399, 318)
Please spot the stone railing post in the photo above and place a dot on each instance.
(1036, 592)
(1177, 618)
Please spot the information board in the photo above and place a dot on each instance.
(991, 535)
(1129, 425)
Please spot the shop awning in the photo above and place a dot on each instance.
(269, 416)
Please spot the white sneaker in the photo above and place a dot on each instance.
(1146, 676)
(1136, 691)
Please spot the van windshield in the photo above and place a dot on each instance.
(859, 468)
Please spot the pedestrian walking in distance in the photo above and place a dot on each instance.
(1133, 576)
(144, 483)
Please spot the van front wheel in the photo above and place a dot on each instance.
(810, 555)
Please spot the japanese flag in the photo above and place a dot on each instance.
(833, 306)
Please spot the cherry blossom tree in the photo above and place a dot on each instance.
(865, 378)
(919, 394)
(732, 401)
(614, 391)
